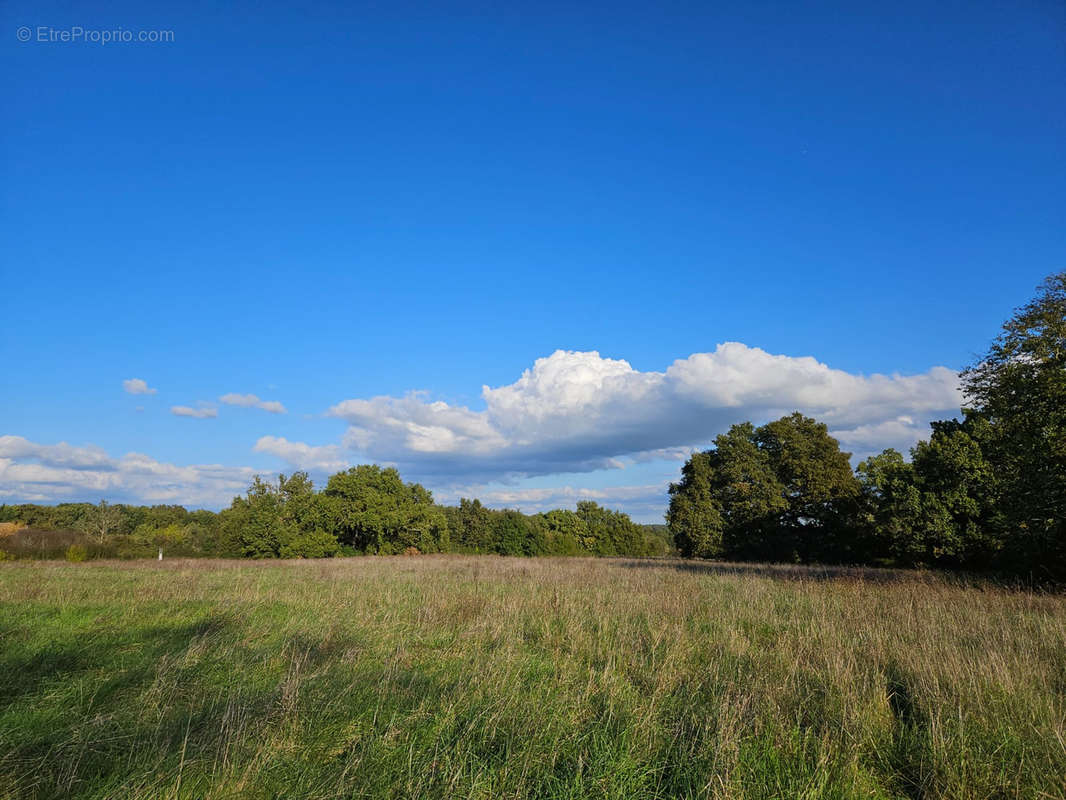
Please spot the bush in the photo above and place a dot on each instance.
(313, 544)
(33, 543)
(76, 553)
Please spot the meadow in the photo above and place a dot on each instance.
(492, 677)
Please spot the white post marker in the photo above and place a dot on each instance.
(160, 553)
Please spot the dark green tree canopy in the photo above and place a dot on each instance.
(695, 514)
(278, 519)
(1018, 388)
(989, 491)
(938, 509)
(373, 510)
(773, 492)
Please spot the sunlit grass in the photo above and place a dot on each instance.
(492, 677)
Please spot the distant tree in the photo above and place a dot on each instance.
(658, 541)
(470, 526)
(280, 519)
(65, 516)
(315, 543)
(568, 532)
(941, 508)
(960, 491)
(1018, 390)
(779, 492)
(818, 485)
(695, 513)
(894, 507)
(515, 534)
(160, 516)
(590, 530)
(103, 521)
(253, 524)
(167, 537)
(728, 501)
(373, 510)
(302, 507)
(610, 533)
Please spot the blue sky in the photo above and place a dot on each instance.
(328, 205)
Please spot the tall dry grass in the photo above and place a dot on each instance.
(458, 676)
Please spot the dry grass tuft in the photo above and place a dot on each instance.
(9, 528)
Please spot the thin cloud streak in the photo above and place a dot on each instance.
(252, 401)
(204, 412)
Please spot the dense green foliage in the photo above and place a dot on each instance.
(771, 493)
(476, 677)
(283, 519)
(934, 510)
(590, 530)
(987, 492)
(1017, 398)
(374, 511)
(109, 531)
(365, 509)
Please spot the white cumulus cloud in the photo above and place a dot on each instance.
(252, 401)
(323, 458)
(578, 411)
(33, 472)
(137, 386)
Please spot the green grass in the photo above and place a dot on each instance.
(510, 678)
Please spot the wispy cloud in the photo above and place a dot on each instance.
(137, 386)
(252, 401)
(203, 412)
(33, 472)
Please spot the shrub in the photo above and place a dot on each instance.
(77, 553)
(312, 544)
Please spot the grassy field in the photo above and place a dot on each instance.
(511, 678)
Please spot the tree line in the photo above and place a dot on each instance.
(362, 510)
(984, 492)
